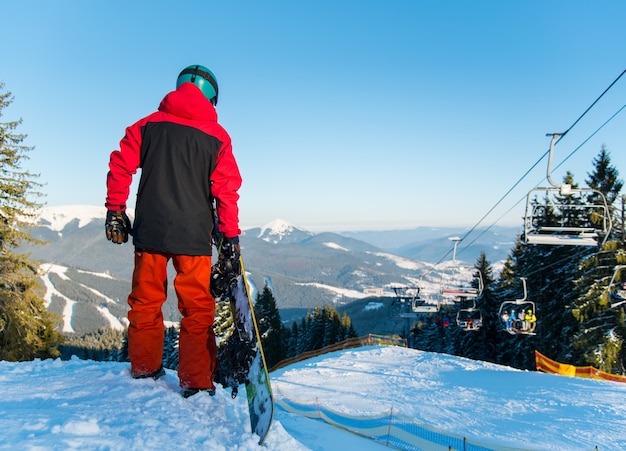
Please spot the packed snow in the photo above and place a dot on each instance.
(54, 404)
(401, 262)
(341, 292)
(336, 246)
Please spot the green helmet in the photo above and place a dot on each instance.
(203, 78)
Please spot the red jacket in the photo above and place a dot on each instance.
(186, 160)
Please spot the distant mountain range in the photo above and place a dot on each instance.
(88, 278)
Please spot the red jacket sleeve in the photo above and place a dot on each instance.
(225, 182)
(123, 164)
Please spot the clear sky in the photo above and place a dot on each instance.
(344, 115)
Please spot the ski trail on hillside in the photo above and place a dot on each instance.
(68, 309)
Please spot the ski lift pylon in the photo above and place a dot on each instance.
(587, 206)
(518, 317)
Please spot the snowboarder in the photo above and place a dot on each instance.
(186, 163)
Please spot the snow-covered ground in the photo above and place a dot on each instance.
(50, 405)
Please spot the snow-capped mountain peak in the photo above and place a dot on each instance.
(279, 230)
(277, 227)
(56, 218)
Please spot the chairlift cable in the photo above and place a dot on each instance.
(537, 184)
(593, 104)
(589, 137)
(547, 152)
(535, 165)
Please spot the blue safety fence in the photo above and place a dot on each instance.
(390, 428)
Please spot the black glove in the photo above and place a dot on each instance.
(229, 254)
(117, 226)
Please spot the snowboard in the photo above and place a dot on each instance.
(240, 354)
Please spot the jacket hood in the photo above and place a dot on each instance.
(188, 101)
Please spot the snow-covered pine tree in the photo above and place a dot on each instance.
(599, 340)
(27, 329)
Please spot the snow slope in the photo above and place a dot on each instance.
(49, 405)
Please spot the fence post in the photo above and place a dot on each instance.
(389, 426)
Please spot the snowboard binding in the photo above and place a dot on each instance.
(222, 280)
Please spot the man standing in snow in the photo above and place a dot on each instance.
(187, 167)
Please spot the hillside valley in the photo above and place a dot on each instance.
(87, 278)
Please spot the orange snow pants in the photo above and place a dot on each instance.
(197, 350)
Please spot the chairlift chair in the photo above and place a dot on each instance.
(411, 294)
(456, 280)
(617, 287)
(469, 319)
(421, 306)
(518, 317)
(592, 219)
(406, 293)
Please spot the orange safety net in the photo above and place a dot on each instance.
(543, 363)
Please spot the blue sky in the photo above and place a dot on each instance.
(344, 115)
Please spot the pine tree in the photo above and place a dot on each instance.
(170, 348)
(480, 344)
(103, 345)
(317, 329)
(291, 340)
(320, 328)
(304, 343)
(347, 328)
(599, 339)
(506, 291)
(332, 327)
(605, 177)
(27, 329)
(549, 271)
(571, 213)
(224, 321)
(271, 328)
